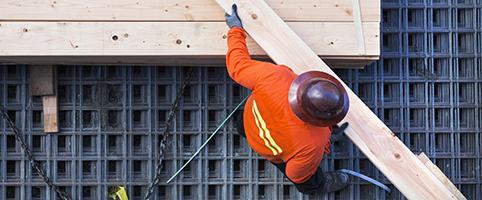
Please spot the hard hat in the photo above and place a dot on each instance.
(318, 98)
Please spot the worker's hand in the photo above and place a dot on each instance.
(339, 129)
(338, 132)
(233, 19)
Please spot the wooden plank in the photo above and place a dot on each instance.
(176, 10)
(43, 83)
(50, 110)
(165, 38)
(193, 61)
(348, 63)
(441, 176)
(42, 80)
(358, 25)
(366, 130)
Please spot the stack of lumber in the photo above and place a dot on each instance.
(345, 33)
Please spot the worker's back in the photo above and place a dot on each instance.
(274, 131)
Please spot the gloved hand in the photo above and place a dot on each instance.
(339, 129)
(233, 19)
(338, 132)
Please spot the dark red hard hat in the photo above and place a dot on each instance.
(318, 98)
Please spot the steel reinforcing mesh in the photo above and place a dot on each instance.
(427, 87)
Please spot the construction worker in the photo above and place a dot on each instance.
(288, 118)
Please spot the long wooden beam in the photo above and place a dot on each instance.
(165, 38)
(176, 10)
(366, 130)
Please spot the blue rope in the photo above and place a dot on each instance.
(207, 141)
(366, 178)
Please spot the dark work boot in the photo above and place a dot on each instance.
(334, 181)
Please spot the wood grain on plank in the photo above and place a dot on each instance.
(50, 113)
(166, 38)
(381, 146)
(177, 10)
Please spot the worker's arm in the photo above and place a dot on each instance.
(241, 67)
(301, 167)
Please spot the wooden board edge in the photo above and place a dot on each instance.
(441, 176)
(192, 61)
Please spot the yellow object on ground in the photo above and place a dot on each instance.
(119, 194)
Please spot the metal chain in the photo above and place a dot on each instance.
(28, 153)
(165, 133)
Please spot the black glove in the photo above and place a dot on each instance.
(338, 132)
(233, 19)
(339, 129)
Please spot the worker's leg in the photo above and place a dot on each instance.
(320, 182)
(239, 122)
(312, 185)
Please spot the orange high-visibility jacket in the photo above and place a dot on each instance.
(272, 129)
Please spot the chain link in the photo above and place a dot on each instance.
(164, 135)
(35, 164)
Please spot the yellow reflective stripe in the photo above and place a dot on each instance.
(261, 134)
(266, 130)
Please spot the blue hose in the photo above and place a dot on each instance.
(366, 178)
